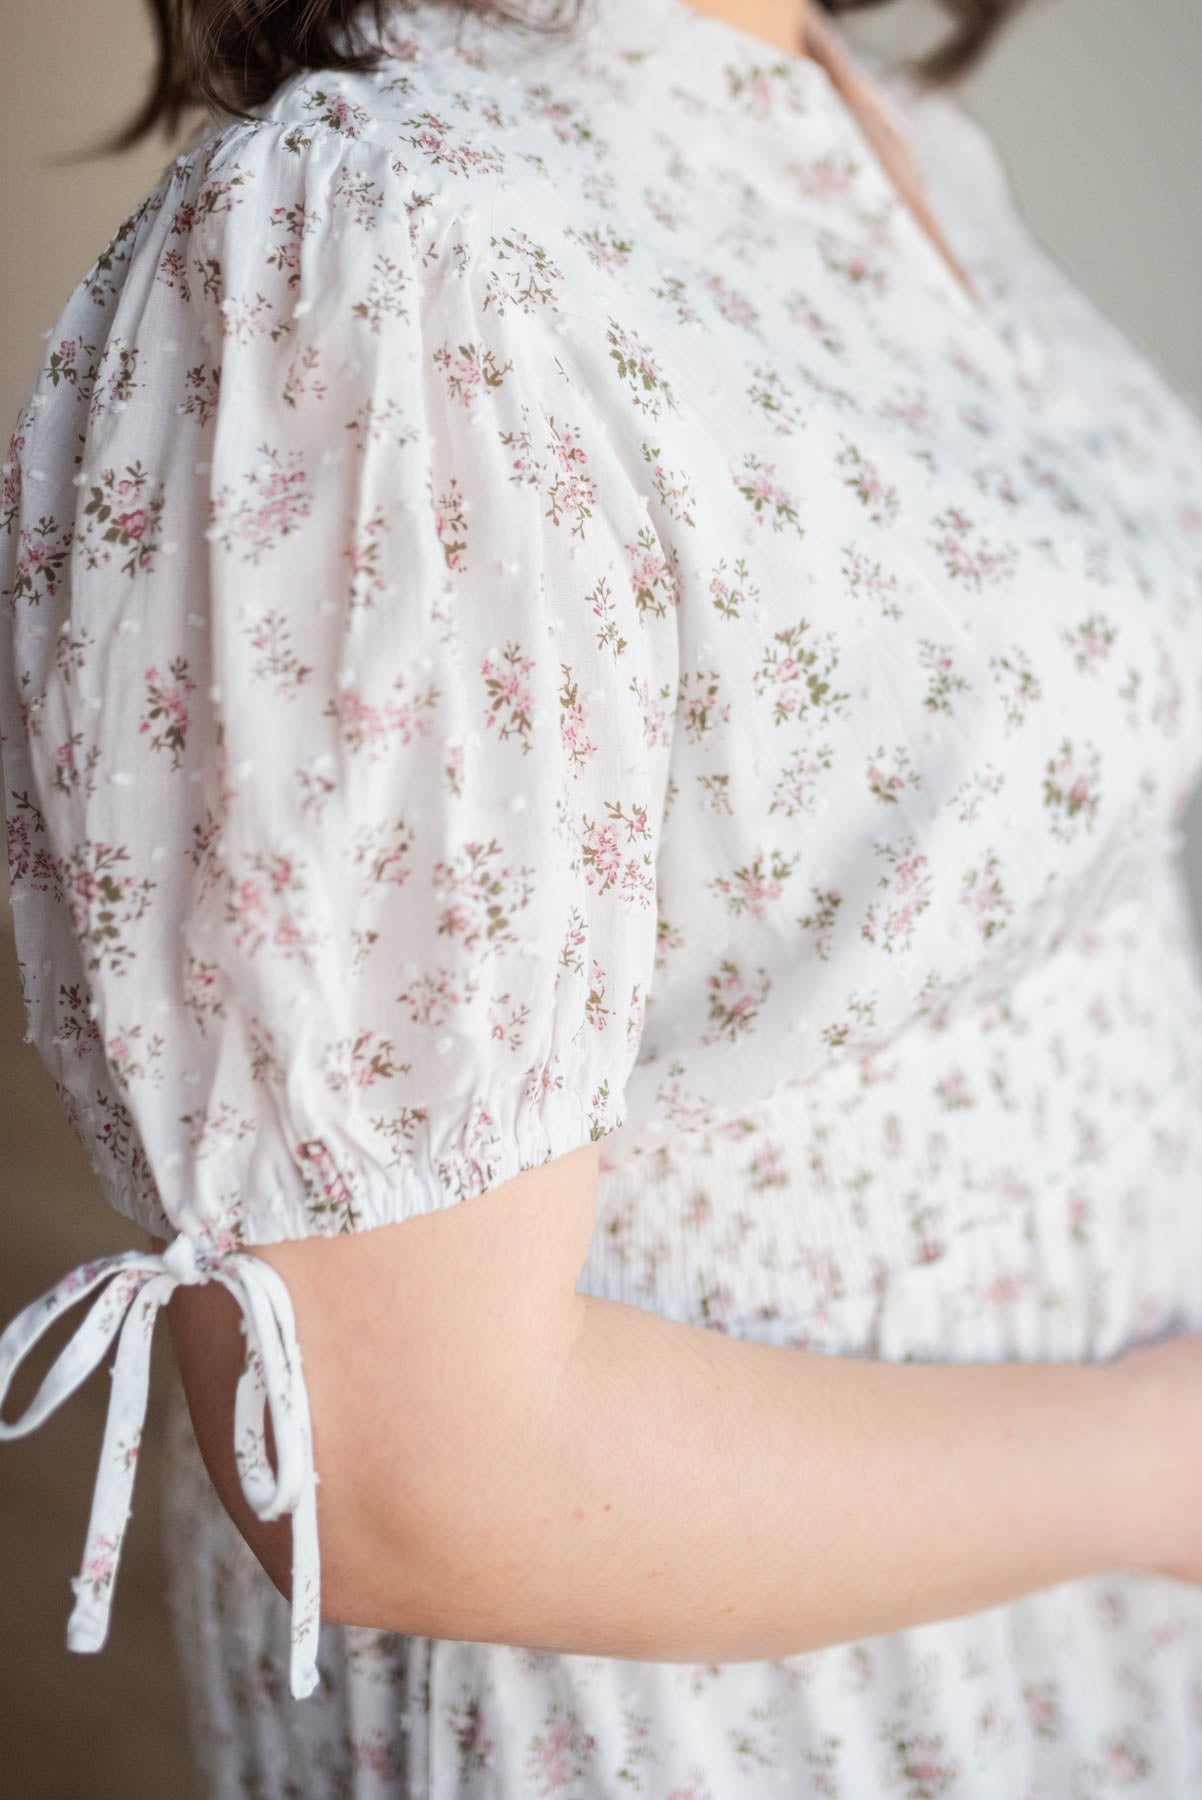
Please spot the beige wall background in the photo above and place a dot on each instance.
(1095, 106)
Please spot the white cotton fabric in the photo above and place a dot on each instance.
(541, 611)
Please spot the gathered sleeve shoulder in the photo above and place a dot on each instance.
(335, 730)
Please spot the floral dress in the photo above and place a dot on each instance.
(539, 610)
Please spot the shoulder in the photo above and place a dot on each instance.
(373, 312)
(438, 134)
(466, 183)
(376, 213)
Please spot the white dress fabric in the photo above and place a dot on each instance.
(539, 610)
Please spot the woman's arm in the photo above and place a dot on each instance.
(585, 1476)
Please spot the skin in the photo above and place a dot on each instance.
(505, 1459)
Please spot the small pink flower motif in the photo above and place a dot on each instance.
(574, 725)
(250, 900)
(1122, 1762)
(921, 1763)
(275, 506)
(456, 919)
(567, 453)
(174, 705)
(634, 881)
(608, 856)
(287, 936)
(916, 413)
(555, 1762)
(870, 482)
(19, 846)
(281, 874)
(373, 1757)
(757, 890)
(1041, 1710)
(979, 903)
(97, 1571)
(646, 567)
(1079, 791)
(825, 177)
(79, 1277)
(360, 718)
(907, 876)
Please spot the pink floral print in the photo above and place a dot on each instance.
(538, 610)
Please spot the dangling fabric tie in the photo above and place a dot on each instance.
(140, 1282)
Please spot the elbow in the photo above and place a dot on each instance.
(436, 1582)
(433, 1530)
(444, 1544)
(436, 1397)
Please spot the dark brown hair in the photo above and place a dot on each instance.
(235, 53)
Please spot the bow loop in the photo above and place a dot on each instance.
(180, 1259)
(138, 1284)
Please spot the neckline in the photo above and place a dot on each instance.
(816, 80)
(622, 30)
(876, 76)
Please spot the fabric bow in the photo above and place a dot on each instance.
(139, 1283)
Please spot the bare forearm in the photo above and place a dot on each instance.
(692, 1496)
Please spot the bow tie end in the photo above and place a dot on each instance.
(133, 1286)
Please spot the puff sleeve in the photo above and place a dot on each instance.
(335, 746)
